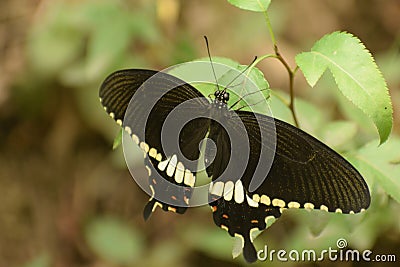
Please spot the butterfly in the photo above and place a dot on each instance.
(302, 171)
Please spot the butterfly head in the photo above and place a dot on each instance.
(221, 97)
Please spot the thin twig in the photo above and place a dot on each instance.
(291, 83)
(290, 71)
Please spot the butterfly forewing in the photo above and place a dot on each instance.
(305, 170)
(140, 101)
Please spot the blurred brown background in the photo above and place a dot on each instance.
(66, 196)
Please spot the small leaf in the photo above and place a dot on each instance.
(256, 75)
(118, 139)
(212, 241)
(337, 133)
(356, 74)
(252, 5)
(237, 247)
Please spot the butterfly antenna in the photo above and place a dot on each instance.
(254, 104)
(212, 65)
(251, 93)
(243, 71)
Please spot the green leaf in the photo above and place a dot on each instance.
(237, 247)
(378, 165)
(227, 72)
(212, 241)
(54, 43)
(337, 133)
(310, 117)
(315, 230)
(118, 139)
(356, 74)
(252, 5)
(352, 113)
(114, 241)
(41, 260)
(169, 252)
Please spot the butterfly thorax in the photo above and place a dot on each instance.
(221, 99)
(219, 106)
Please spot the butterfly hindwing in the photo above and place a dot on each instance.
(233, 208)
(240, 219)
(304, 173)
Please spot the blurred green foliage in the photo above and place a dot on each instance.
(114, 241)
(81, 42)
(68, 199)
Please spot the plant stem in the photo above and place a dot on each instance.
(291, 83)
(290, 71)
(282, 99)
(258, 60)
(271, 32)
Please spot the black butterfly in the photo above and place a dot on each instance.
(305, 173)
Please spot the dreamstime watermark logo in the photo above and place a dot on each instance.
(159, 113)
(340, 253)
